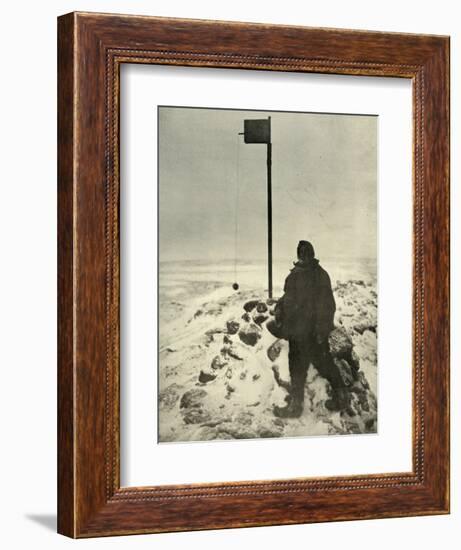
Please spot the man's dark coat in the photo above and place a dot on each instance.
(308, 305)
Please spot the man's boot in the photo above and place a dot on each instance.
(294, 409)
(339, 401)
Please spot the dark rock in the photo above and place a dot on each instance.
(362, 397)
(229, 373)
(261, 307)
(227, 340)
(260, 318)
(363, 380)
(273, 351)
(193, 408)
(206, 376)
(358, 387)
(233, 354)
(278, 422)
(232, 327)
(230, 388)
(267, 433)
(345, 371)
(250, 305)
(370, 425)
(351, 427)
(216, 421)
(256, 377)
(218, 362)
(246, 317)
(192, 398)
(233, 430)
(224, 350)
(340, 343)
(271, 301)
(198, 313)
(354, 361)
(208, 433)
(243, 375)
(250, 334)
(196, 416)
(271, 430)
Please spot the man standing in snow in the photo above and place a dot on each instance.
(306, 313)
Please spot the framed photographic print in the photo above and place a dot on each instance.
(239, 324)
(253, 275)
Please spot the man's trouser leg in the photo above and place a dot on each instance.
(298, 361)
(326, 367)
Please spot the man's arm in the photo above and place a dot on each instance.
(290, 298)
(292, 319)
(325, 307)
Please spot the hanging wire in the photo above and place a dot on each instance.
(236, 223)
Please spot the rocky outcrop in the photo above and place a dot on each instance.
(362, 409)
(236, 369)
(346, 359)
(359, 414)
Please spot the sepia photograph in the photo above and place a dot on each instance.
(267, 274)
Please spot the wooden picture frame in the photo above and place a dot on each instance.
(92, 48)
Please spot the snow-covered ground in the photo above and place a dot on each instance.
(215, 383)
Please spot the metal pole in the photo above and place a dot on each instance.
(269, 211)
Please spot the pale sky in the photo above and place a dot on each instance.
(324, 185)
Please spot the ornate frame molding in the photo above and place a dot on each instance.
(91, 49)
